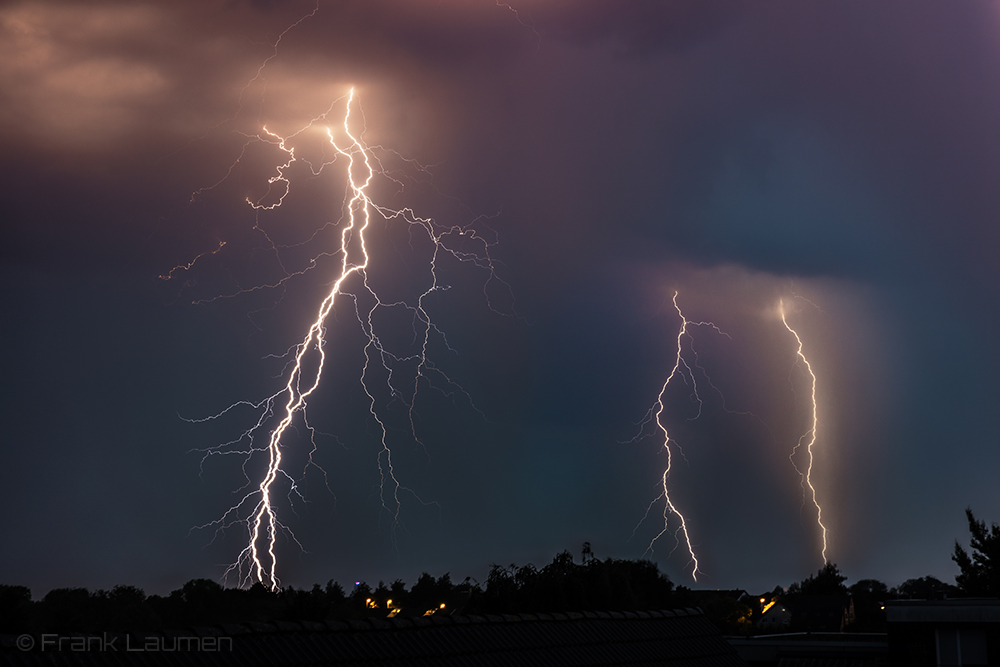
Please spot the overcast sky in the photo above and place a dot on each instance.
(839, 157)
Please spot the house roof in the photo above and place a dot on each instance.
(962, 610)
(734, 593)
(824, 613)
(679, 638)
(818, 604)
(775, 609)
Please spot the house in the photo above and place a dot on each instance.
(813, 649)
(820, 613)
(806, 613)
(944, 633)
(776, 617)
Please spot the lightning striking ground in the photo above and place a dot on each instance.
(683, 370)
(257, 510)
(809, 437)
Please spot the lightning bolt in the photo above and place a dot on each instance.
(683, 370)
(257, 509)
(809, 437)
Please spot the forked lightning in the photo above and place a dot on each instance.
(257, 510)
(682, 370)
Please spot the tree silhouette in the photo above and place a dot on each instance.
(980, 574)
(427, 594)
(828, 581)
(68, 610)
(562, 585)
(923, 588)
(15, 608)
(868, 596)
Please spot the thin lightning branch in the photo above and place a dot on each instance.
(256, 510)
(529, 24)
(187, 266)
(258, 76)
(684, 371)
(809, 437)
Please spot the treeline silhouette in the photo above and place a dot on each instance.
(867, 596)
(562, 585)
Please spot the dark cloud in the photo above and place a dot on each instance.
(638, 29)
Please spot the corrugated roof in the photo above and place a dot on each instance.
(679, 638)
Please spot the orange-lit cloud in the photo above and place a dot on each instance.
(65, 75)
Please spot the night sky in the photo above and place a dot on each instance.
(840, 156)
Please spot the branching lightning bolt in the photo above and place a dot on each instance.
(683, 370)
(256, 509)
(809, 437)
